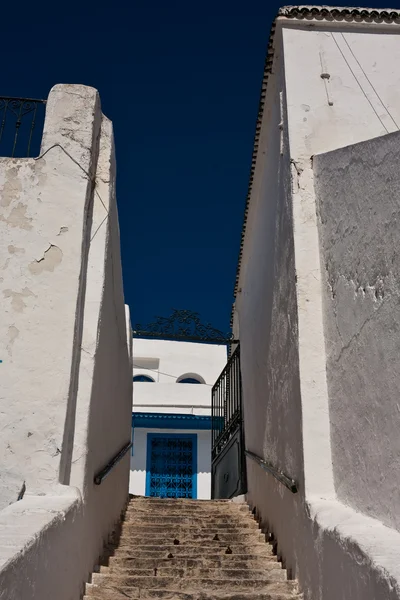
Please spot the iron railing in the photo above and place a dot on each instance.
(184, 326)
(288, 482)
(101, 475)
(226, 411)
(19, 131)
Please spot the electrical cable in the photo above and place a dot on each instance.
(166, 374)
(361, 88)
(369, 81)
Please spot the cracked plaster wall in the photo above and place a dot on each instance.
(65, 406)
(333, 550)
(45, 208)
(358, 193)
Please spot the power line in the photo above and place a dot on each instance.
(361, 88)
(166, 374)
(369, 81)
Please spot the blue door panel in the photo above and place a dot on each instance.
(171, 465)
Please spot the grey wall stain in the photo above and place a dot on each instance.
(17, 298)
(12, 334)
(12, 186)
(15, 250)
(18, 218)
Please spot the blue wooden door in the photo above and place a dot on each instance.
(171, 465)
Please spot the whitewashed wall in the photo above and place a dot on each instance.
(171, 361)
(174, 360)
(67, 393)
(358, 190)
(332, 549)
(137, 484)
(180, 358)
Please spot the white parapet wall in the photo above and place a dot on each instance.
(358, 194)
(65, 400)
(319, 353)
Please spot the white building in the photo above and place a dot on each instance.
(317, 302)
(171, 417)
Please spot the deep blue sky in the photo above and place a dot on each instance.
(180, 81)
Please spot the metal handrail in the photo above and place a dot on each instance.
(281, 477)
(101, 475)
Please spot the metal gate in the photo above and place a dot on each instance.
(228, 457)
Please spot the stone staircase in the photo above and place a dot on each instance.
(190, 550)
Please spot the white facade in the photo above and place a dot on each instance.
(317, 302)
(65, 337)
(167, 402)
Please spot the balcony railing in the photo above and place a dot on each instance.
(21, 126)
(227, 403)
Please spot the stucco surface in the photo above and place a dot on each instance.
(44, 209)
(81, 398)
(363, 85)
(333, 550)
(358, 193)
(266, 303)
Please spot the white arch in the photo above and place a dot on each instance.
(196, 376)
(150, 379)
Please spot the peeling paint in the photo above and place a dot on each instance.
(62, 230)
(50, 260)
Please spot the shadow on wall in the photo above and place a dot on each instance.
(81, 404)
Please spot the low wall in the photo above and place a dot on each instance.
(66, 405)
(332, 550)
(358, 198)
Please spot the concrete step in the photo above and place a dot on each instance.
(274, 572)
(274, 592)
(214, 561)
(186, 506)
(193, 525)
(184, 583)
(149, 500)
(192, 538)
(146, 519)
(187, 514)
(187, 531)
(190, 550)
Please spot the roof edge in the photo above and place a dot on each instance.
(340, 13)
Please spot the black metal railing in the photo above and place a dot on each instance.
(184, 326)
(21, 125)
(101, 475)
(279, 475)
(226, 411)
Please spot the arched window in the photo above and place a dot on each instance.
(190, 378)
(143, 378)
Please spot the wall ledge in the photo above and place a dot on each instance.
(363, 537)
